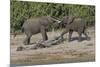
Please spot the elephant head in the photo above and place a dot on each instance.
(67, 20)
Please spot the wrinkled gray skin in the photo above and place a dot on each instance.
(37, 25)
(74, 24)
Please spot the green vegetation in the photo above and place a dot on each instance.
(20, 11)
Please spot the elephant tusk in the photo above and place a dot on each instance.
(59, 21)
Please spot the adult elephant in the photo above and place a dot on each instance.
(74, 24)
(36, 25)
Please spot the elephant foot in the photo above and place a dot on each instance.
(79, 40)
(69, 40)
(88, 38)
(20, 48)
(26, 43)
(61, 40)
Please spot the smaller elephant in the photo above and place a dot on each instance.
(37, 25)
(74, 24)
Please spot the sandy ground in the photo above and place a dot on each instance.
(64, 52)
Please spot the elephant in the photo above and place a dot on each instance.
(72, 24)
(37, 25)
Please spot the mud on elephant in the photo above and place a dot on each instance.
(74, 24)
(37, 25)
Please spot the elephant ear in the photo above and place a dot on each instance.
(70, 19)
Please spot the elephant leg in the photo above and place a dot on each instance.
(86, 35)
(70, 34)
(80, 37)
(27, 40)
(44, 34)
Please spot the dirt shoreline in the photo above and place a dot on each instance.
(66, 52)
